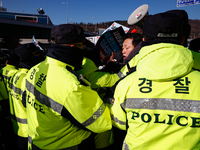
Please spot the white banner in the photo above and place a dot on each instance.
(116, 25)
(181, 3)
(93, 39)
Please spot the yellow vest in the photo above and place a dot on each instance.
(8, 72)
(53, 97)
(18, 115)
(95, 77)
(158, 104)
(3, 91)
(125, 70)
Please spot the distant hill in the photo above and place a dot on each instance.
(90, 27)
(195, 28)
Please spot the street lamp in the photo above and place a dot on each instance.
(67, 10)
(95, 28)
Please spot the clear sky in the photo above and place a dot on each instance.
(92, 11)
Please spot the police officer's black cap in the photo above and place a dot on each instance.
(184, 17)
(25, 50)
(154, 23)
(67, 34)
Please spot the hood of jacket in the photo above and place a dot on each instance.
(164, 61)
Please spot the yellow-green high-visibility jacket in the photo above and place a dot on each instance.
(97, 80)
(196, 57)
(158, 104)
(5, 123)
(95, 77)
(18, 116)
(132, 63)
(8, 72)
(61, 112)
(3, 91)
(3, 95)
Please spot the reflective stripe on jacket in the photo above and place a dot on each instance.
(8, 72)
(54, 99)
(18, 116)
(124, 71)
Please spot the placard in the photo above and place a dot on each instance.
(110, 41)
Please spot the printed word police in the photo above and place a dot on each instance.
(35, 105)
(180, 120)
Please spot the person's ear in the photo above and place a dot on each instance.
(182, 40)
(72, 45)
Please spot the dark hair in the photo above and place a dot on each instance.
(137, 38)
(195, 45)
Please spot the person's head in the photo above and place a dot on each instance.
(164, 26)
(68, 35)
(3, 59)
(130, 42)
(195, 45)
(186, 26)
(69, 42)
(29, 54)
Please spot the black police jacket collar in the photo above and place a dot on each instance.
(24, 65)
(70, 55)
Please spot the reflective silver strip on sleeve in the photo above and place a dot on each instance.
(117, 120)
(6, 77)
(95, 116)
(29, 139)
(10, 85)
(16, 90)
(23, 121)
(162, 104)
(43, 99)
(120, 74)
(125, 146)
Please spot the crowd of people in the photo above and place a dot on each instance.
(60, 99)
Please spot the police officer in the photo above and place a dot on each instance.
(99, 82)
(11, 68)
(29, 56)
(62, 110)
(5, 123)
(158, 104)
(7, 72)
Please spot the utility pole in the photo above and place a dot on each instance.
(95, 24)
(67, 10)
